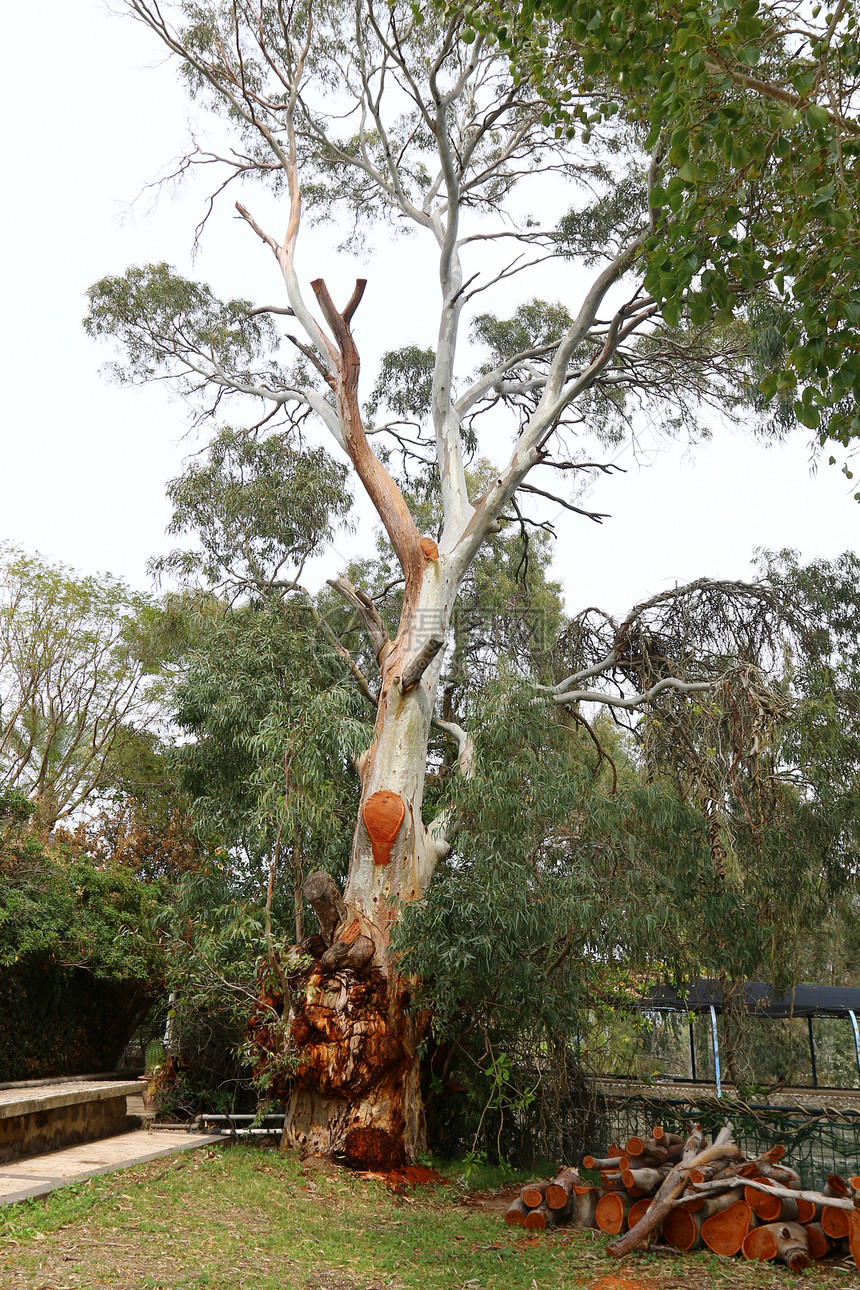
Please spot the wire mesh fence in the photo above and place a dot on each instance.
(818, 1140)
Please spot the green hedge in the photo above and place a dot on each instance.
(64, 1021)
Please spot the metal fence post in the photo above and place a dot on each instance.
(717, 1049)
(856, 1040)
(812, 1052)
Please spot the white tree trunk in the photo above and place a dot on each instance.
(356, 1091)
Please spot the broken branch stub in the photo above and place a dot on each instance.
(415, 669)
(323, 895)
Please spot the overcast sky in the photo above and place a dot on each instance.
(92, 113)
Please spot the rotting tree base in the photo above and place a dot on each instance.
(355, 1093)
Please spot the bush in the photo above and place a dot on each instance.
(78, 967)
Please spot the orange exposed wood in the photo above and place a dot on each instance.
(539, 1219)
(429, 547)
(681, 1229)
(724, 1231)
(383, 815)
(835, 1186)
(516, 1214)
(694, 1156)
(611, 1213)
(350, 933)
(835, 1222)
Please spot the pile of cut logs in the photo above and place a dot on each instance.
(694, 1194)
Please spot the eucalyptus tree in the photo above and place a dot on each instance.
(384, 114)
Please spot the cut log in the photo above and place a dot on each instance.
(807, 1210)
(534, 1193)
(682, 1229)
(854, 1236)
(540, 1218)
(763, 1203)
(671, 1187)
(644, 1161)
(560, 1190)
(723, 1231)
(835, 1222)
(645, 1181)
(643, 1147)
(612, 1181)
(855, 1182)
(516, 1213)
(612, 1210)
(601, 1162)
(785, 1241)
(666, 1139)
(819, 1243)
(637, 1210)
(835, 1186)
(585, 1205)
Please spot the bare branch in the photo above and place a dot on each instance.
(367, 612)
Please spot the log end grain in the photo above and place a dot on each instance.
(611, 1212)
(835, 1222)
(681, 1229)
(724, 1233)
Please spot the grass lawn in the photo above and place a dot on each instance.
(247, 1217)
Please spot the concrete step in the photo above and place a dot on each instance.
(35, 1119)
(37, 1176)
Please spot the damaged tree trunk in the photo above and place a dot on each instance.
(355, 1090)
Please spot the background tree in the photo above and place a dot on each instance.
(748, 111)
(77, 656)
(390, 115)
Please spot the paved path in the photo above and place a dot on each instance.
(21, 1179)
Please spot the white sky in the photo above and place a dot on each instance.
(91, 114)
